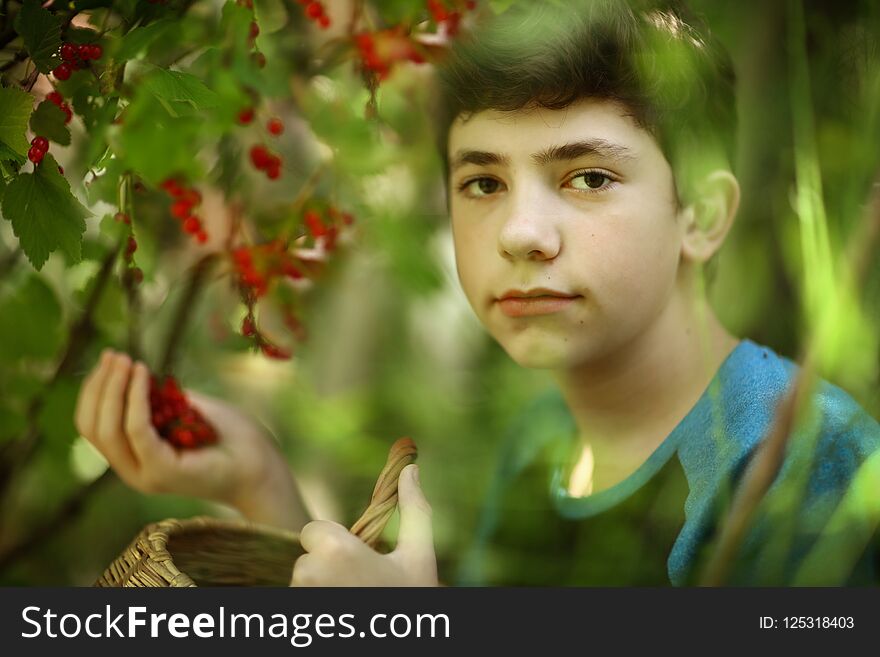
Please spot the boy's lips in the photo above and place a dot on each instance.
(537, 301)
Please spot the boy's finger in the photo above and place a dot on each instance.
(109, 419)
(109, 429)
(415, 537)
(325, 536)
(154, 454)
(89, 396)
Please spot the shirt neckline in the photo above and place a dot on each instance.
(589, 505)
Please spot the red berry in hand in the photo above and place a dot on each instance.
(246, 115)
(36, 155)
(175, 420)
(41, 143)
(62, 71)
(275, 126)
(68, 52)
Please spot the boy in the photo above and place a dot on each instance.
(588, 152)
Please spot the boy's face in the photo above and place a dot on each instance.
(579, 201)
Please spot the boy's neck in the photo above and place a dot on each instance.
(626, 404)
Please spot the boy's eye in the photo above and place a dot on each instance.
(480, 187)
(590, 181)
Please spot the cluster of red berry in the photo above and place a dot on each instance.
(258, 265)
(186, 200)
(39, 148)
(57, 99)
(74, 57)
(329, 231)
(380, 50)
(451, 18)
(174, 419)
(315, 11)
(264, 160)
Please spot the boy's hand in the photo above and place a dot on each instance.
(335, 557)
(243, 469)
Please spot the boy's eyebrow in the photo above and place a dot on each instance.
(574, 150)
(563, 153)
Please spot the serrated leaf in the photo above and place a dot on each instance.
(7, 153)
(30, 322)
(41, 32)
(48, 121)
(15, 108)
(178, 91)
(45, 216)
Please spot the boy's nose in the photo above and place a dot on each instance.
(529, 232)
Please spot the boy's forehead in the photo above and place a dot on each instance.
(535, 129)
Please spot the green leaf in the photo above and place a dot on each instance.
(180, 93)
(271, 15)
(139, 39)
(41, 32)
(15, 108)
(30, 322)
(44, 214)
(48, 121)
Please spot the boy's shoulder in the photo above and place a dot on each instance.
(824, 453)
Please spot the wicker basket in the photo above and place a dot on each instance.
(210, 552)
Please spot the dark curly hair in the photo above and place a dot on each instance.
(653, 58)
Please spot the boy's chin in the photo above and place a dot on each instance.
(541, 356)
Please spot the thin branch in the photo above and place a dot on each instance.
(198, 276)
(63, 516)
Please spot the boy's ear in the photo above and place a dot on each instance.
(708, 218)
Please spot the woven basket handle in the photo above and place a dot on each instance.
(369, 526)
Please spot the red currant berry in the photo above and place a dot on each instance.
(273, 171)
(314, 10)
(68, 52)
(324, 21)
(271, 351)
(191, 225)
(254, 31)
(137, 275)
(62, 71)
(55, 98)
(122, 218)
(247, 327)
(40, 142)
(36, 155)
(246, 115)
(201, 236)
(275, 126)
(96, 51)
(84, 51)
(259, 59)
(130, 247)
(68, 114)
(260, 157)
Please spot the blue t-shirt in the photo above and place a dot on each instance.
(816, 525)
